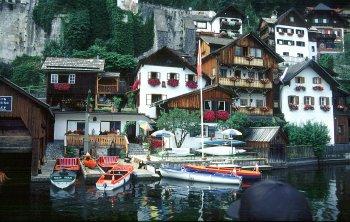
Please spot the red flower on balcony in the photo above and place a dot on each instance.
(154, 82)
(308, 107)
(222, 115)
(173, 82)
(249, 80)
(293, 106)
(318, 88)
(209, 116)
(325, 108)
(264, 81)
(61, 86)
(299, 88)
(264, 108)
(192, 84)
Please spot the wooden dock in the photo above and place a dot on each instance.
(91, 175)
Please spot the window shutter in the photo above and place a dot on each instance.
(302, 79)
(149, 75)
(312, 101)
(168, 76)
(158, 75)
(290, 99)
(186, 78)
(297, 100)
(177, 76)
(214, 105)
(327, 101)
(227, 106)
(320, 101)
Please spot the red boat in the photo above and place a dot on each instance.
(107, 162)
(246, 174)
(71, 164)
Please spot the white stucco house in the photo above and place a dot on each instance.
(162, 75)
(306, 94)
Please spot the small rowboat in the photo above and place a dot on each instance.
(246, 174)
(63, 178)
(71, 164)
(107, 162)
(192, 175)
(114, 178)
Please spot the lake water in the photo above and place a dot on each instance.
(328, 191)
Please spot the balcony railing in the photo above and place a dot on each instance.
(102, 140)
(256, 111)
(244, 83)
(108, 89)
(250, 61)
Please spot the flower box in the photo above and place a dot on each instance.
(173, 82)
(209, 116)
(308, 107)
(249, 80)
(154, 82)
(235, 108)
(61, 86)
(264, 109)
(222, 115)
(290, 34)
(318, 88)
(264, 81)
(325, 108)
(192, 84)
(293, 106)
(299, 88)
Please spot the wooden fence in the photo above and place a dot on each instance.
(102, 140)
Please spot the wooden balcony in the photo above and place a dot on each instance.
(102, 140)
(248, 61)
(244, 83)
(255, 112)
(107, 89)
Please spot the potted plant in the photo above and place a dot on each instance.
(308, 107)
(192, 84)
(154, 82)
(173, 82)
(318, 88)
(249, 58)
(293, 106)
(300, 88)
(289, 33)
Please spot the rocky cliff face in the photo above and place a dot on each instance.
(18, 33)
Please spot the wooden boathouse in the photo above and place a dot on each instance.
(26, 126)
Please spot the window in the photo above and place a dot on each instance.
(173, 76)
(54, 78)
(324, 21)
(201, 25)
(152, 98)
(208, 131)
(222, 105)
(340, 129)
(255, 52)
(156, 97)
(153, 75)
(299, 80)
(313, 48)
(71, 79)
(309, 100)
(316, 80)
(259, 103)
(291, 19)
(299, 32)
(316, 20)
(207, 105)
(238, 73)
(81, 126)
(243, 102)
(238, 51)
(293, 100)
(190, 77)
(223, 72)
(300, 55)
(324, 101)
(261, 75)
(290, 31)
(299, 43)
(286, 53)
(279, 41)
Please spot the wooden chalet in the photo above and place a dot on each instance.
(70, 79)
(249, 67)
(26, 125)
(266, 137)
(341, 110)
(210, 44)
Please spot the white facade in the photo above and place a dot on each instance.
(164, 91)
(293, 47)
(300, 115)
(70, 121)
(128, 5)
(216, 26)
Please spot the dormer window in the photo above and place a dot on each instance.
(291, 19)
(255, 52)
(54, 78)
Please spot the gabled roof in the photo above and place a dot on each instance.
(166, 57)
(262, 134)
(254, 36)
(322, 7)
(231, 12)
(73, 64)
(269, 20)
(205, 89)
(25, 94)
(216, 40)
(295, 69)
(301, 18)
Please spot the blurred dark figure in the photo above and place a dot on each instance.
(271, 201)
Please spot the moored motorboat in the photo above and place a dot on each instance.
(63, 178)
(221, 150)
(107, 162)
(246, 174)
(193, 175)
(114, 178)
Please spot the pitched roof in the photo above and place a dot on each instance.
(230, 11)
(216, 40)
(281, 18)
(295, 69)
(270, 20)
(322, 7)
(262, 134)
(24, 93)
(257, 38)
(74, 64)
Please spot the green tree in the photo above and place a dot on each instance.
(26, 71)
(326, 61)
(180, 122)
(53, 49)
(5, 70)
(238, 121)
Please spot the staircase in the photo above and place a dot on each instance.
(136, 149)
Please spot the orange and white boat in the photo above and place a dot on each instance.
(107, 162)
(114, 178)
(246, 174)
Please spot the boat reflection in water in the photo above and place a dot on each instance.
(126, 188)
(58, 193)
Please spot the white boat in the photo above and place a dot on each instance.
(63, 178)
(114, 178)
(221, 150)
(200, 177)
